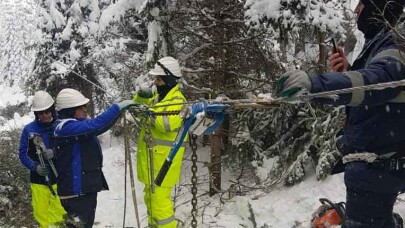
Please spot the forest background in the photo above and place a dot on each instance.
(229, 48)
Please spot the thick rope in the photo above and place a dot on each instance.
(131, 172)
(333, 93)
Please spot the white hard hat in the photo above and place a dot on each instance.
(168, 62)
(69, 98)
(42, 101)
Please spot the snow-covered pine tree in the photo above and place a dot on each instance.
(222, 57)
(90, 45)
(16, 40)
(300, 30)
(296, 22)
(159, 15)
(16, 51)
(68, 29)
(119, 54)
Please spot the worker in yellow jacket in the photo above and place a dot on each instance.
(157, 139)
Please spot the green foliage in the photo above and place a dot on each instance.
(15, 197)
(323, 140)
(290, 136)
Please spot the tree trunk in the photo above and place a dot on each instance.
(322, 53)
(216, 141)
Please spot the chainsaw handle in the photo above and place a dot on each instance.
(162, 172)
(339, 207)
(326, 201)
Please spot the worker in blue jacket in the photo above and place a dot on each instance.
(47, 209)
(79, 158)
(374, 137)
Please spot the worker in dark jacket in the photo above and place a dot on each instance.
(46, 207)
(373, 140)
(79, 158)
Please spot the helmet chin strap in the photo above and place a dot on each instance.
(167, 71)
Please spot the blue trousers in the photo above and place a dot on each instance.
(369, 209)
(82, 207)
(370, 196)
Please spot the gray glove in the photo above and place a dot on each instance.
(42, 171)
(125, 104)
(48, 154)
(293, 81)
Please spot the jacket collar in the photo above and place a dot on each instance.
(170, 94)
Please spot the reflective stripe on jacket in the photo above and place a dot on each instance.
(163, 130)
(375, 117)
(79, 158)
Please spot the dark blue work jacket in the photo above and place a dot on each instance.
(79, 158)
(28, 153)
(375, 118)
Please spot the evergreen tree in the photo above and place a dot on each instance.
(90, 45)
(17, 37)
(294, 139)
(61, 59)
(223, 58)
(120, 53)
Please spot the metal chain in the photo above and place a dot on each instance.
(194, 180)
(135, 112)
(149, 146)
(166, 113)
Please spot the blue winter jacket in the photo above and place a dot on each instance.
(375, 118)
(79, 158)
(27, 151)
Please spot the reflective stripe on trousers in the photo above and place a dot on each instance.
(162, 222)
(160, 207)
(167, 143)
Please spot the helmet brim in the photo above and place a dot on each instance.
(83, 102)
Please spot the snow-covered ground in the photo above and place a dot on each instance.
(284, 207)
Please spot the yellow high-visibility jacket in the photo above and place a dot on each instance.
(163, 130)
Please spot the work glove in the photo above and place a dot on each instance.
(145, 93)
(42, 171)
(125, 104)
(293, 81)
(48, 154)
(145, 90)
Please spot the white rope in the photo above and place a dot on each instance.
(82, 77)
(128, 158)
(333, 93)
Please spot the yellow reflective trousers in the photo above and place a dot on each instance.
(47, 208)
(160, 207)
